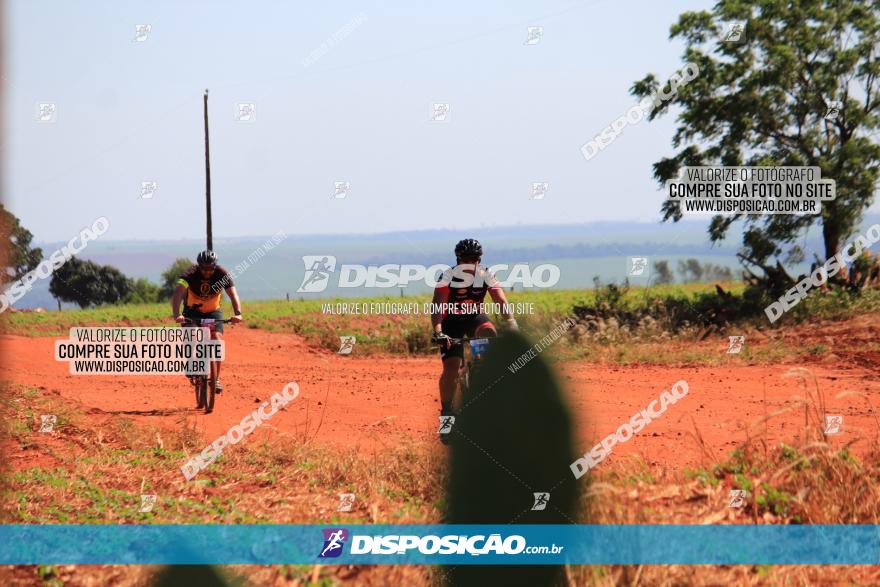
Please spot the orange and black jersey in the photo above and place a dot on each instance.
(203, 295)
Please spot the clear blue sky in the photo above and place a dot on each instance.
(130, 111)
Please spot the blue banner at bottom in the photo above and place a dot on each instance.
(440, 544)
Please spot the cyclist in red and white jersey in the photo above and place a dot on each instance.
(462, 289)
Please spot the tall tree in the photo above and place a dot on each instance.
(766, 100)
(663, 274)
(88, 284)
(20, 256)
(690, 270)
(171, 275)
(143, 291)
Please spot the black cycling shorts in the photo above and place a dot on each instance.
(193, 315)
(458, 327)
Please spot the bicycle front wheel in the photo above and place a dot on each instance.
(201, 391)
(210, 392)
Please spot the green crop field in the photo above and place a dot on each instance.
(303, 315)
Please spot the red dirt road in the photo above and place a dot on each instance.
(373, 402)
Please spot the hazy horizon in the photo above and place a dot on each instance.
(582, 251)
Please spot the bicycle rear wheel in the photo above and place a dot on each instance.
(464, 381)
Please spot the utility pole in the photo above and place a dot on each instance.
(208, 179)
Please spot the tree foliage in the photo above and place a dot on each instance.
(143, 291)
(763, 101)
(21, 257)
(170, 276)
(662, 272)
(692, 270)
(88, 284)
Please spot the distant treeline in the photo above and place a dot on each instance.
(691, 271)
(542, 253)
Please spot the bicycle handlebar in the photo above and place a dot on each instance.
(199, 323)
(463, 339)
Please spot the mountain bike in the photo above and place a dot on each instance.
(475, 350)
(205, 386)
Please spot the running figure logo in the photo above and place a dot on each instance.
(141, 31)
(47, 422)
(318, 270)
(341, 189)
(638, 265)
(246, 112)
(46, 112)
(542, 498)
(148, 188)
(834, 107)
(334, 539)
(446, 423)
(147, 503)
(539, 190)
(736, 498)
(346, 344)
(346, 500)
(535, 34)
(735, 32)
(735, 344)
(439, 112)
(833, 424)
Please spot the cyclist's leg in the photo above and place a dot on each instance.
(188, 314)
(453, 357)
(215, 365)
(448, 381)
(483, 327)
(216, 334)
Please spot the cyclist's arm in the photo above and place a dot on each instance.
(177, 297)
(233, 297)
(441, 295)
(499, 297)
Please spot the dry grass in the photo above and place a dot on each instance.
(93, 471)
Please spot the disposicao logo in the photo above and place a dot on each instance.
(318, 270)
(334, 540)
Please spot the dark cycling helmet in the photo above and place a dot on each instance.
(468, 247)
(207, 258)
